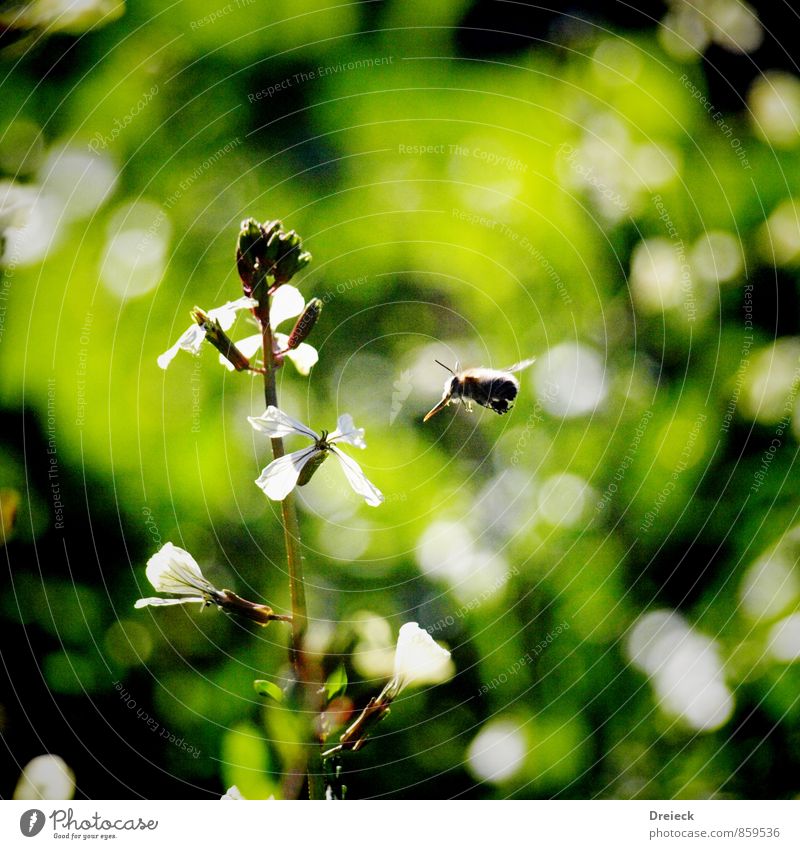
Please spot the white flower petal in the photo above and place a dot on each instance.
(346, 431)
(169, 355)
(304, 357)
(358, 480)
(234, 794)
(226, 314)
(190, 340)
(173, 570)
(419, 659)
(279, 478)
(275, 422)
(286, 303)
(166, 602)
(249, 346)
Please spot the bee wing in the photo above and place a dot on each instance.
(523, 364)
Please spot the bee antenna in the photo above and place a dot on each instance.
(445, 367)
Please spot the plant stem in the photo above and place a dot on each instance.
(291, 534)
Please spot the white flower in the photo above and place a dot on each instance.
(418, 659)
(234, 794)
(287, 302)
(192, 338)
(174, 571)
(280, 477)
(46, 777)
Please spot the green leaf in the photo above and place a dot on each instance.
(268, 689)
(336, 683)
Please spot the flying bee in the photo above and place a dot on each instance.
(492, 388)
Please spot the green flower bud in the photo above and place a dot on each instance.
(305, 323)
(252, 252)
(266, 250)
(286, 256)
(248, 249)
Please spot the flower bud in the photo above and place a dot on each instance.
(247, 251)
(251, 252)
(285, 256)
(266, 250)
(260, 613)
(220, 340)
(305, 323)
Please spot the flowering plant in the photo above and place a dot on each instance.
(267, 258)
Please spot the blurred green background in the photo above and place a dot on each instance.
(613, 565)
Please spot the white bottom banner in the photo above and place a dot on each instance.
(390, 824)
